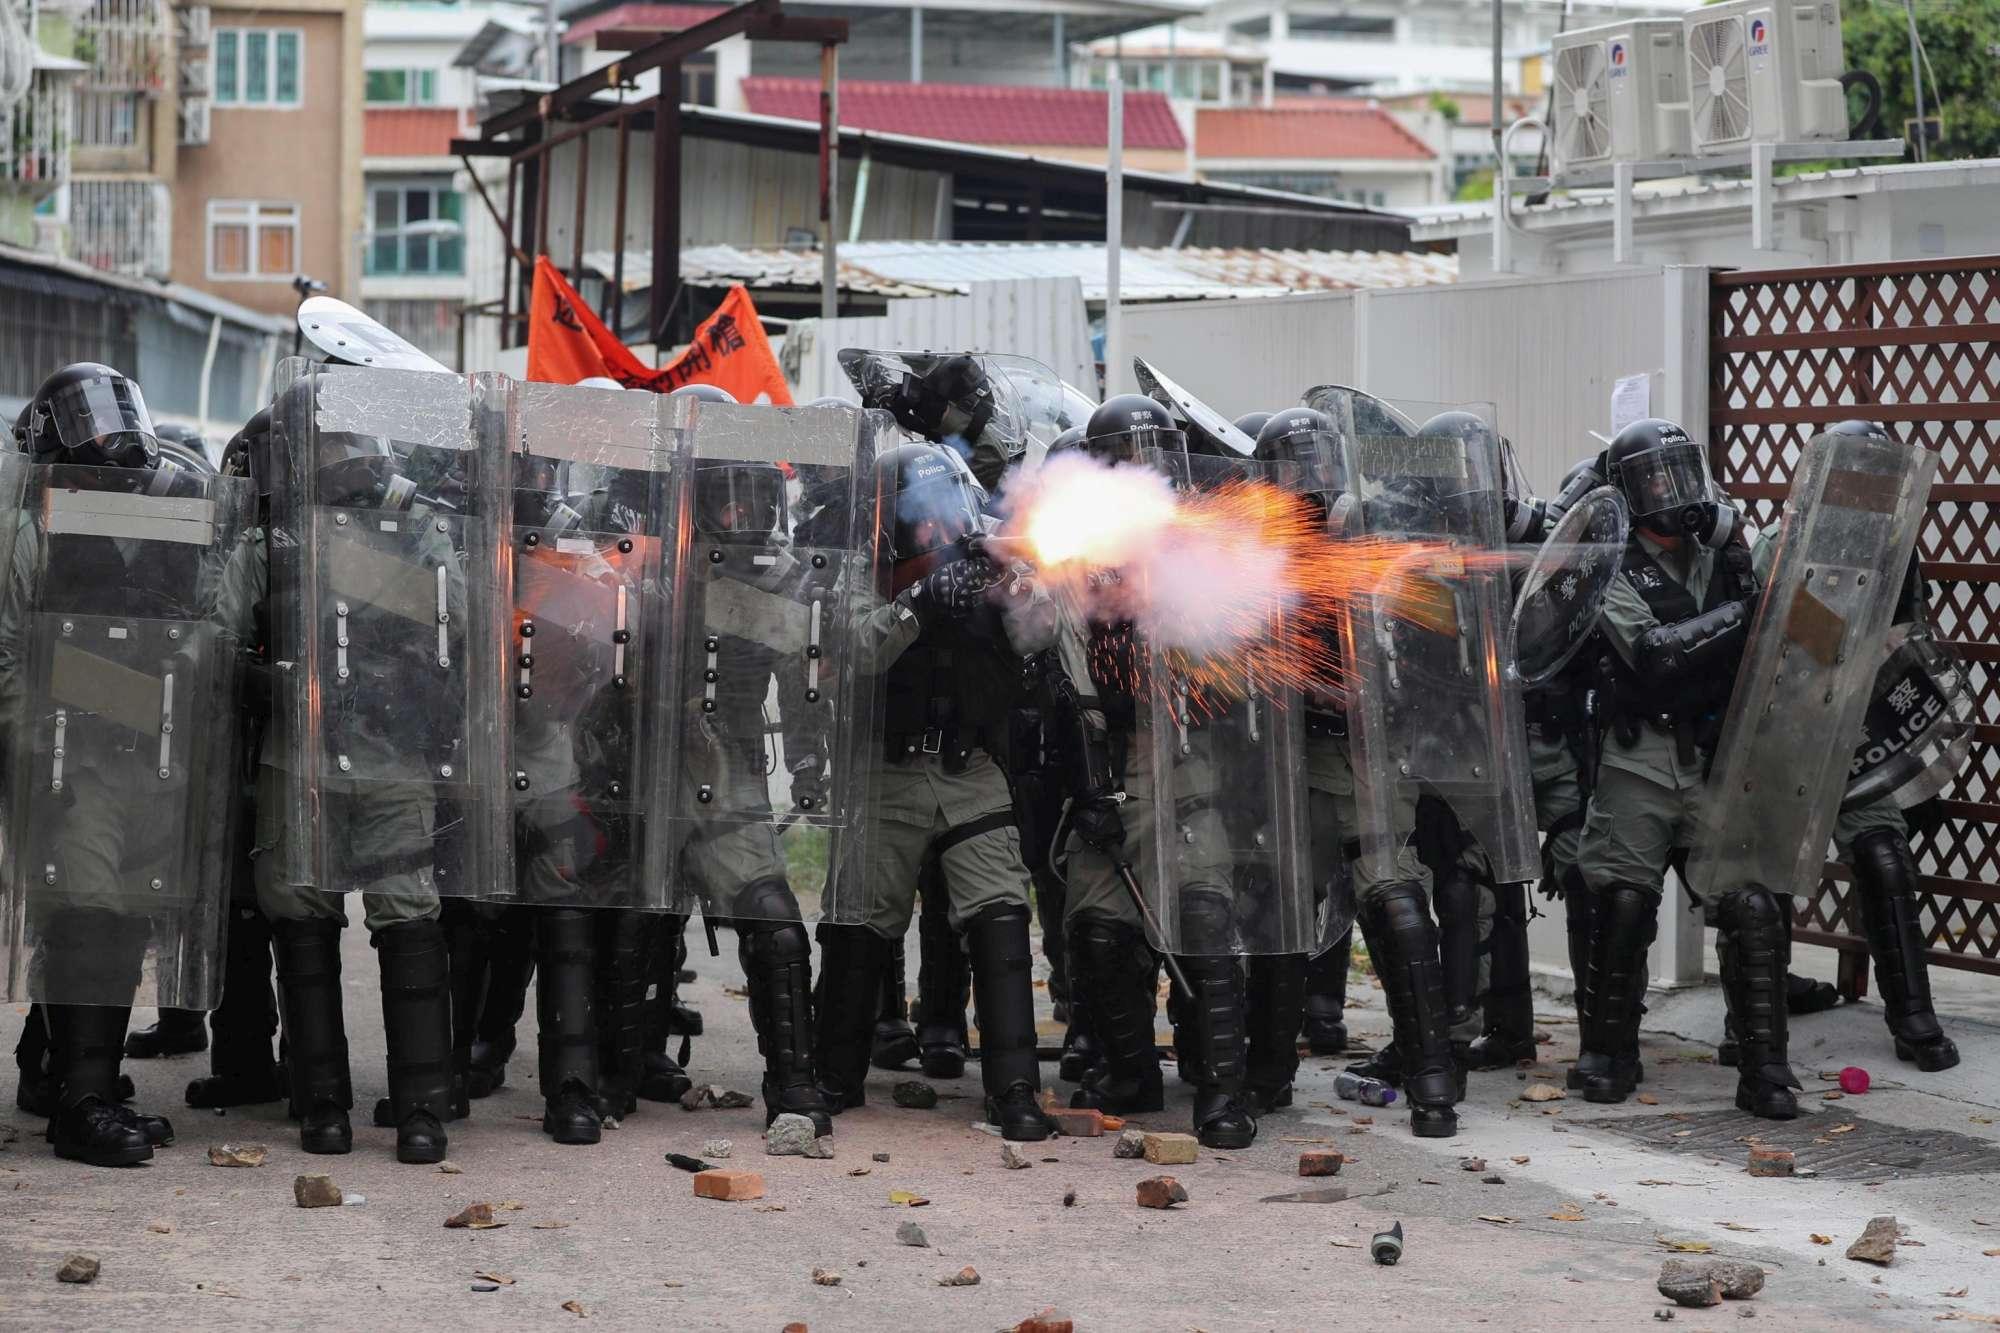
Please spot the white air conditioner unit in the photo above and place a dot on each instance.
(1619, 94)
(193, 21)
(195, 81)
(1764, 72)
(194, 121)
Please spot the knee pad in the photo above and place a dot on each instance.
(997, 914)
(769, 901)
(1206, 918)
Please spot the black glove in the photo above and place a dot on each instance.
(1099, 823)
(955, 589)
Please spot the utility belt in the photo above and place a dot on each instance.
(1694, 736)
(952, 744)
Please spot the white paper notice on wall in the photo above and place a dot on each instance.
(1631, 400)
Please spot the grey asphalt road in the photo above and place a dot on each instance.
(1571, 1239)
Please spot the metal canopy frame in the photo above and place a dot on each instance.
(527, 135)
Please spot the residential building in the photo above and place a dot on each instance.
(216, 145)
(1205, 72)
(1336, 148)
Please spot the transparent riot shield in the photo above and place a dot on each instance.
(765, 713)
(121, 644)
(1788, 738)
(997, 409)
(1433, 708)
(593, 509)
(1917, 730)
(391, 610)
(1207, 428)
(1555, 610)
(1231, 868)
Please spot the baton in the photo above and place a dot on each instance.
(1131, 883)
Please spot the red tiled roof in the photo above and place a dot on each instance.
(641, 18)
(1291, 132)
(974, 112)
(398, 131)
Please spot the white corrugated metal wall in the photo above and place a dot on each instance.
(1043, 318)
(1545, 352)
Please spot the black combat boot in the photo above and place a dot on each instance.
(566, 1016)
(416, 1025)
(1885, 877)
(91, 1125)
(1277, 1003)
(1081, 1050)
(662, 1079)
(1580, 920)
(1326, 999)
(1404, 944)
(1753, 984)
(510, 968)
(943, 984)
(622, 941)
(315, 1033)
(1803, 995)
(1455, 899)
(466, 943)
(39, 1091)
(776, 956)
(1607, 1065)
(895, 1041)
(1119, 965)
(851, 959)
(241, 1071)
(1213, 1036)
(1509, 1037)
(175, 1032)
(1002, 961)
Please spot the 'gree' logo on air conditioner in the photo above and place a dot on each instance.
(1618, 57)
(1760, 38)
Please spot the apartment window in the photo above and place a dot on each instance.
(698, 81)
(409, 238)
(402, 87)
(259, 67)
(252, 241)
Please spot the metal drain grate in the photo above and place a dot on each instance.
(1869, 1151)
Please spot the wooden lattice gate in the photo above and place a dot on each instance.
(1917, 346)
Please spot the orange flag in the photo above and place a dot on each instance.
(567, 342)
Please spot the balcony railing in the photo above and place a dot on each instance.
(121, 225)
(125, 44)
(35, 136)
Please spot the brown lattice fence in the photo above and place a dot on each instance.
(1915, 345)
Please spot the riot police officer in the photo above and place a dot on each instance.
(946, 671)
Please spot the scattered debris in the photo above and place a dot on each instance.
(730, 1186)
(1542, 1092)
(1131, 1143)
(1387, 1246)
(1043, 1321)
(1345, 1244)
(473, 1217)
(237, 1154)
(1171, 1149)
(1686, 1246)
(1877, 1242)
(1733, 1279)
(1319, 1162)
(686, 1163)
(1522, 1160)
(792, 1135)
(1647, 1099)
(1956, 1292)
(1693, 1288)
(914, 1095)
(576, 1308)
(450, 1168)
(967, 1276)
(1495, 1179)
(719, 1149)
(1818, 1239)
(909, 1233)
(1769, 1161)
(1570, 1212)
(1069, 1197)
(1498, 1219)
(825, 1277)
(160, 1228)
(1161, 1192)
(485, 1286)
(1081, 1122)
(1013, 1158)
(78, 1268)
(1854, 1079)
(908, 1199)
(1472, 1164)
(499, 1279)
(315, 1191)
(878, 1157)
(714, 1095)
(549, 1226)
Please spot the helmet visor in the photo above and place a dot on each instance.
(107, 416)
(1308, 461)
(1133, 445)
(1664, 479)
(742, 501)
(934, 513)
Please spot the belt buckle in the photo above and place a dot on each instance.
(934, 741)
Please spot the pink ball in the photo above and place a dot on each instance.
(1854, 1079)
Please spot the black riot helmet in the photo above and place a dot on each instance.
(183, 461)
(1663, 475)
(1864, 430)
(1252, 423)
(740, 502)
(88, 414)
(1072, 438)
(248, 454)
(362, 472)
(1303, 452)
(1125, 426)
(706, 393)
(928, 499)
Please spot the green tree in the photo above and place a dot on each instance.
(1962, 40)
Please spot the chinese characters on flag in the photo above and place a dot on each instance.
(567, 342)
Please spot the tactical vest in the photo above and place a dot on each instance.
(1696, 701)
(949, 693)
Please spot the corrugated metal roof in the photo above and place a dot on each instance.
(927, 268)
